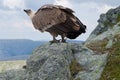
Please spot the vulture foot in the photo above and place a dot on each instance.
(63, 41)
(54, 41)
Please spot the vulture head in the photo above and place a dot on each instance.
(29, 12)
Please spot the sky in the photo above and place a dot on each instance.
(15, 24)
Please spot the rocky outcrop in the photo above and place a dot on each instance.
(97, 58)
(64, 61)
(50, 62)
(107, 22)
(105, 39)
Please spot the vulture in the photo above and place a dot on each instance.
(57, 20)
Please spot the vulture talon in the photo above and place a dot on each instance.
(63, 41)
(54, 41)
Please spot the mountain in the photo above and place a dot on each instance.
(17, 48)
(105, 39)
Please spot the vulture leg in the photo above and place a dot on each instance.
(54, 40)
(63, 38)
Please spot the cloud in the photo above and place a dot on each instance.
(99, 7)
(16, 24)
(14, 4)
(104, 8)
(23, 24)
(5, 13)
(64, 3)
(88, 13)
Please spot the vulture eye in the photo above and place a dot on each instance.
(29, 10)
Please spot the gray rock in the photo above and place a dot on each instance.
(13, 75)
(109, 34)
(107, 21)
(50, 62)
(93, 64)
(110, 44)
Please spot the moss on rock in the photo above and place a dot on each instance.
(99, 46)
(118, 18)
(75, 68)
(108, 23)
(112, 69)
(78, 79)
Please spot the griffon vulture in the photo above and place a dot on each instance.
(57, 20)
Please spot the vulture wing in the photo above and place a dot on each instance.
(58, 20)
(47, 16)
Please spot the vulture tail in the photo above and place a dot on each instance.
(75, 34)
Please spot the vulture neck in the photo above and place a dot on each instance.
(32, 14)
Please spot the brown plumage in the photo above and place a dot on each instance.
(57, 20)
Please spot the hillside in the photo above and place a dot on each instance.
(17, 48)
(9, 65)
(105, 39)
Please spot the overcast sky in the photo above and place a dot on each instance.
(15, 24)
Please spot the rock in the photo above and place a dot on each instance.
(50, 62)
(107, 21)
(94, 65)
(109, 44)
(105, 39)
(53, 62)
(13, 75)
(109, 34)
(91, 62)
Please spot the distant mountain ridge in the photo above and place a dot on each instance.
(17, 47)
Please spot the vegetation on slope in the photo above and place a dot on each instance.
(112, 69)
(75, 67)
(99, 46)
(10, 65)
(118, 18)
